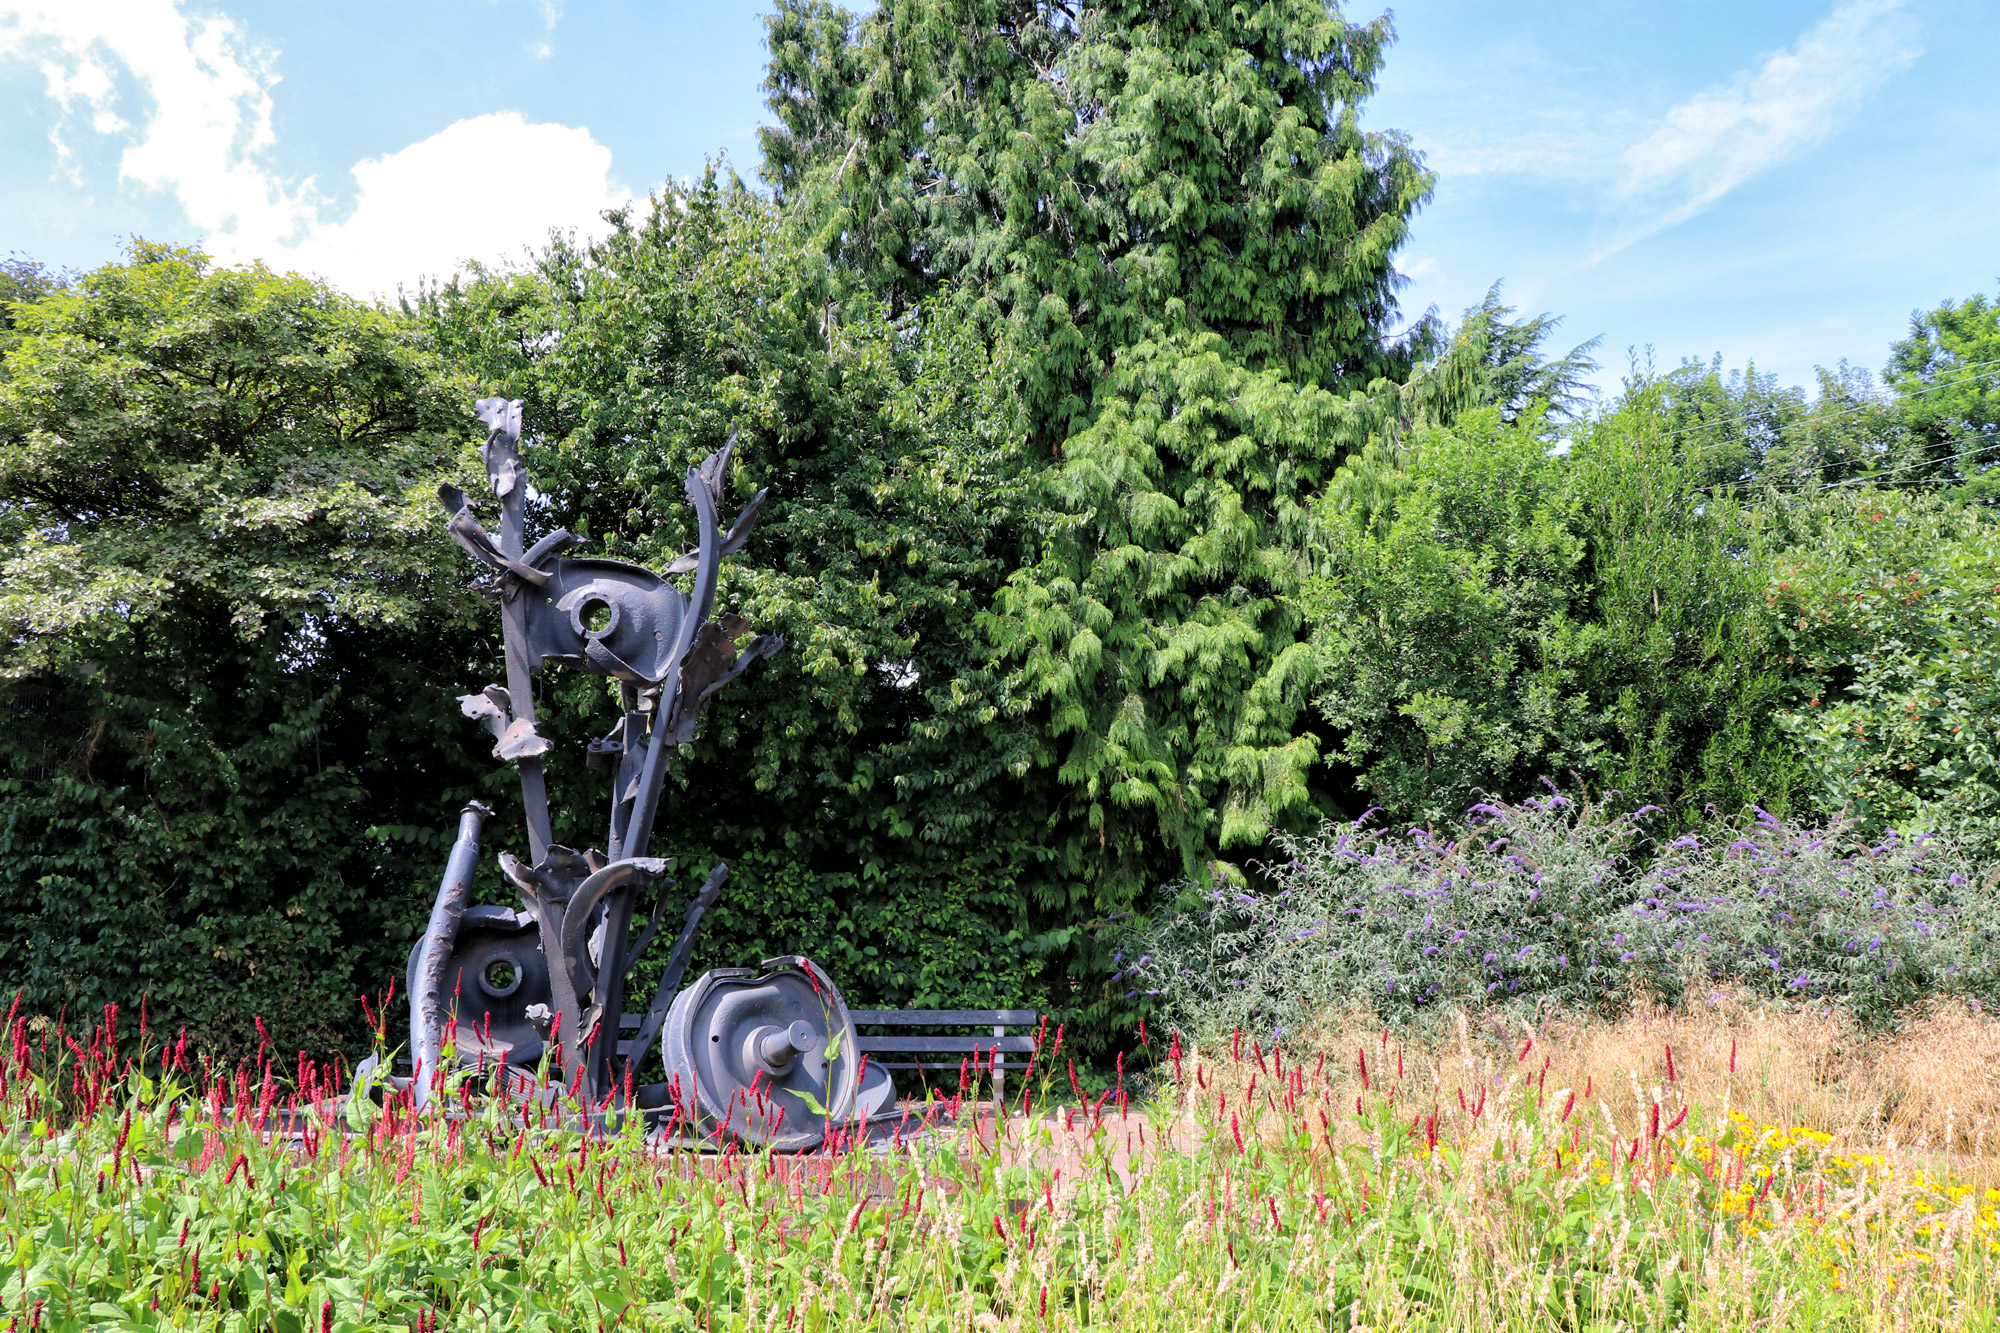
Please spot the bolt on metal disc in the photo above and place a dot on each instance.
(768, 1056)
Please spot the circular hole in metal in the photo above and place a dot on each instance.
(501, 976)
(596, 617)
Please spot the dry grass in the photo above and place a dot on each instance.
(1929, 1091)
(1934, 1086)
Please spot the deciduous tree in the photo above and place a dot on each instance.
(225, 645)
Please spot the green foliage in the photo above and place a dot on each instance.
(1100, 180)
(1550, 905)
(1886, 606)
(1514, 374)
(221, 637)
(1500, 609)
(1948, 370)
(1450, 621)
(22, 282)
(859, 784)
(229, 438)
(1746, 427)
(1173, 224)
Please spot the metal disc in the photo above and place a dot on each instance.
(495, 972)
(768, 1056)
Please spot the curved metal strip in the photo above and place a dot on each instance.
(569, 936)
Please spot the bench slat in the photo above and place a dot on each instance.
(628, 1050)
(945, 1067)
(910, 1018)
(939, 1045)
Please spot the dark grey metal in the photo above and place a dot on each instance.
(495, 974)
(428, 1014)
(769, 1057)
(677, 961)
(476, 991)
(606, 616)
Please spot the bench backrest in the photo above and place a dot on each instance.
(997, 1048)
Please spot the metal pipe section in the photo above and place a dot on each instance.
(677, 962)
(430, 1006)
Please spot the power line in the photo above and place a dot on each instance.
(1969, 373)
(1966, 376)
(1910, 467)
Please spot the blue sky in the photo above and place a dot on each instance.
(1778, 182)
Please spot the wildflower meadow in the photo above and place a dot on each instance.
(1491, 1181)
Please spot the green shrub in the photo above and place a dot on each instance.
(1886, 607)
(1505, 599)
(1542, 904)
(229, 629)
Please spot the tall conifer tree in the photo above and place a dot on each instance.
(1171, 214)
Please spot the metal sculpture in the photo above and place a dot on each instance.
(769, 1056)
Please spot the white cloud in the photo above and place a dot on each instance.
(477, 189)
(200, 91)
(1722, 136)
(551, 11)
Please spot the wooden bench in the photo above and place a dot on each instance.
(994, 1041)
